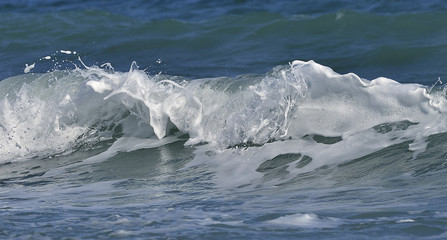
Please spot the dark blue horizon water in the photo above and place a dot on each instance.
(191, 120)
(401, 40)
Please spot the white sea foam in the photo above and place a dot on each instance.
(344, 106)
(406, 221)
(128, 144)
(55, 112)
(66, 51)
(29, 67)
(306, 220)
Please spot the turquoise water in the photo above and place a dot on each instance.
(234, 119)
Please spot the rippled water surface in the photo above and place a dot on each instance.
(223, 120)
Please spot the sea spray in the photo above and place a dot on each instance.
(56, 112)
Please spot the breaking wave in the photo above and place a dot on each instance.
(322, 114)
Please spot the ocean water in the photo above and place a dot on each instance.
(223, 119)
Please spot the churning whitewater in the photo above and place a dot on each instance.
(191, 120)
(286, 110)
(298, 131)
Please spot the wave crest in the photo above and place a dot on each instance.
(57, 112)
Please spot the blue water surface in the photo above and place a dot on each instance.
(166, 191)
(403, 40)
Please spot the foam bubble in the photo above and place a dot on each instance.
(66, 52)
(306, 220)
(406, 221)
(29, 67)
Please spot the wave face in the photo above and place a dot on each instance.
(59, 112)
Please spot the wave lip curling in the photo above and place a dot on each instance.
(57, 112)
